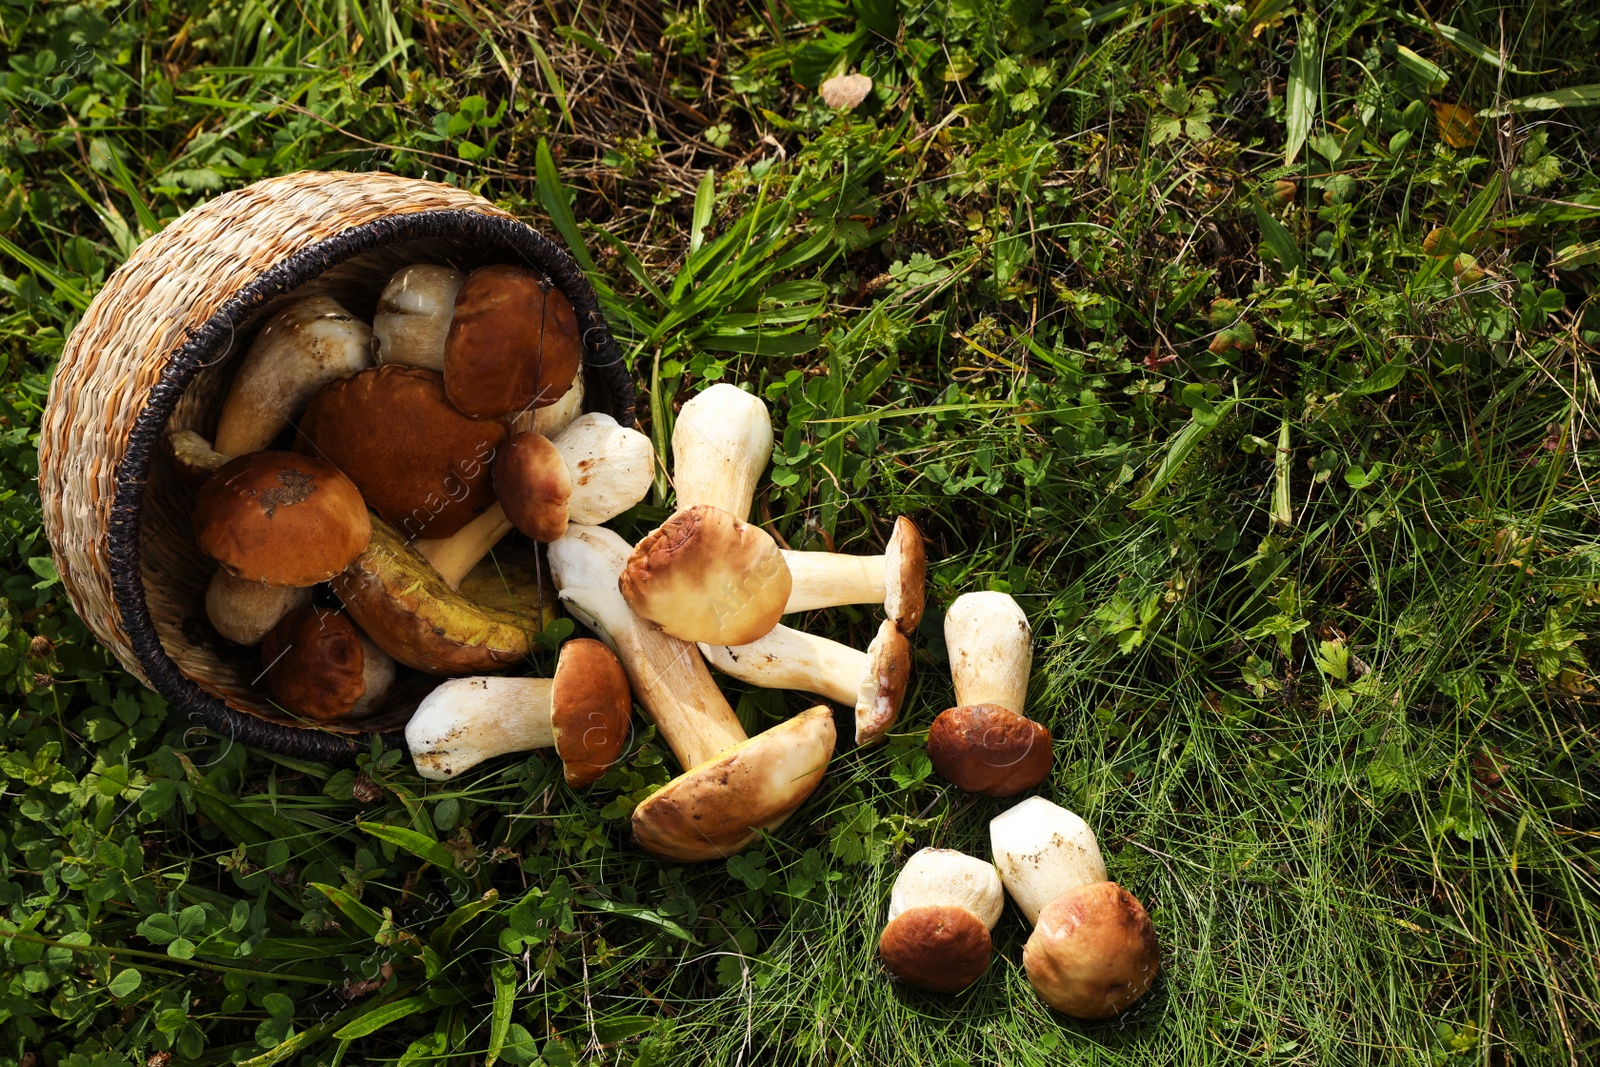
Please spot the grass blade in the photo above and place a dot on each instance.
(553, 195)
(503, 976)
(1278, 239)
(1282, 506)
(1305, 88)
(1182, 446)
(705, 198)
(1576, 96)
(381, 1016)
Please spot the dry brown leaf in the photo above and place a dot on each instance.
(846, 91)
(1457, 126)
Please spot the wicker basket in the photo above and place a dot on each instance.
(156, 347)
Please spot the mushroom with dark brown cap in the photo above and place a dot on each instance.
(583, 711)
(413, 316)
(941, 909)
(874, 681)
(421, 464)
(317, 664)
(985, 744)
(897, 579)
(591, 472)
(243, 612)
(1093, 953)
(733, 786)
(707, 574)
(513, 343)
(281, 519)
(302, 348)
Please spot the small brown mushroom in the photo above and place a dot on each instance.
(942, 907)
(319, 665)
(281, 519)
(583, 712)
(513, 343)
(421, 464)
(533, 485)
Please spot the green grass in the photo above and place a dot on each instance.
(1262, 379)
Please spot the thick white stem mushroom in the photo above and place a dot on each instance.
(732, 787)
(1093, 951)
(244, 611)
(582, 712)
(302, 348)
(591, 473)
(991, 650)
(720, 445)
(896, 579)
(873, 682)
(941, 909)
(413, 316)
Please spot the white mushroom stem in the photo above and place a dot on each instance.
(829, 579)
(942, 877)
(1042, 850)
(991, 650)
(455, 556)
(612, 467)
(789, 659)
(550, 420)
(669, 679)
(302, 348)
(413, 316)
(244, 611)
(468, 720)
(720, 446)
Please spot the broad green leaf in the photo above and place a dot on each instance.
(1384, 378)
(367, 921)
(503, 976)
(1305, 87)
(1428, 73)
(419, 845)
(381, 1016)
(705, 200)
(1576, 96)
(553, 195)
(125, 983)
(1277, 237)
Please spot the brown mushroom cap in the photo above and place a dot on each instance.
(533, 484)
(513, 343)
(281, 519)
(1094, 951)
(705, 575)
(942, 948)
(591, 709)
(717, 808)
(421, 464)
(905, 576)
(984, 748)
(883, 683)
(315, 665)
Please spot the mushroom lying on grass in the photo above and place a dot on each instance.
(583, 712)
(897, 579)
(733, 786)
(706, 574)
(942, 907)
(1093, 951)
(318, 665)
(984, 744)
(873, 682)
(302, 348)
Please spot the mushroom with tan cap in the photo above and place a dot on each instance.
(706, 574)
(897, 579)
(1093, 951)
(244, 611)
(281, 519)
(874, 681)
(318, 665)
(941, 909)
(590, 473)
(413, 316)
(985, 744)
(421, 464)
(302, 348)
(513, 343)
(733, 786)
(583, 712)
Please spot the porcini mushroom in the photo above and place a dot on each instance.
(191, 456)
(513, 343)
(300, 349)
(582, 711)
(318, 665)
(413, 316)
(733, 786)
(592, 471)
(421, 464)
(281, 519)
(941, 909)
(553, 419)
(706, 574)
(874, 681)
(1093, 950)
(896, 579)
(985, 744)
(244, 611)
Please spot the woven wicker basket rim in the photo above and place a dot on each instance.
(609, 385)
